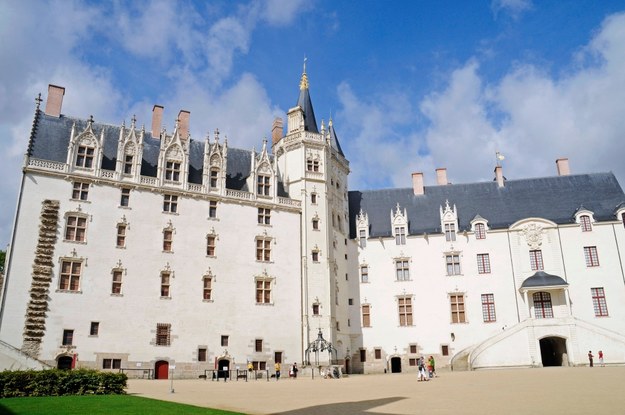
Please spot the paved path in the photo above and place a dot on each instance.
(582, 390)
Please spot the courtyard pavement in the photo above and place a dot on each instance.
(555, 390)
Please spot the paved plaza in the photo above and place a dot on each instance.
(556, 390)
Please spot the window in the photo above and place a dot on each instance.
(80, 191)
(363, 355)
(412, 362)
(400, 235)
(170, 203)
(366, 315)
(584, 221)
(277, 357)
(315, 256)
(450, 232)
(315, 224)
(263, 291)
(457, 308)
(315, 309)
(377, 353)
(75, 228)
(483, 263)
(536, 260)
(453, 264)
(263, 249)
(70, 275)
(201, 354)
(111, 363)
(258, 345)
(488, 308)
(598, 302)
(312, 165)
(313, 198)
(264, 216)
(445, 350)
(172, 171)
(207, 290)
(163, 334)
(480, 231)
(259, 365)
(210, 245)
(128, 164)
(350, 301)
(405, 311)
(125, 197)
(542, 305)
(262, 185)
(168, 240)
(402, 270)
(116, 287)
(362, 237)
(84, 158)
(590, 254)
(165, 287)
(212, 209)
(213, 178)
(224, 341)
(413, 349)
(364, 273)
(94, 328)
(121, 235)
(68, 337)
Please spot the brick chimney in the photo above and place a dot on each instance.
(441, 176)
(276, 130)
(55, 100)
(417, 184)
(563, 167)
(499, 175)
(157, 119)
(183, 124)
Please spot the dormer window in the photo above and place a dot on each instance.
(400, 235)
(128, 164)
(84, 157)
(213, 178)
(480, 231)
(263, 185)
(362, 238)
(172, 171)
(450, 232)
(585, 223)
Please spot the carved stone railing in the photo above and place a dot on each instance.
(314, 175)
(47, 164)
(107, 174)
(193, 187)
(289, 202)
(238, 194)
(148, 180)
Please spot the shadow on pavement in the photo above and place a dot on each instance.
(344, 408)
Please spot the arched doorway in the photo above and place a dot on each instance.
(161, 370)
(223, 366)
(64, 362)
(395, 364)
(552, 351)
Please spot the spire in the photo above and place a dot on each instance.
(310, 124)
(334, 140)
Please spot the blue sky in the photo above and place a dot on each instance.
(410, 85)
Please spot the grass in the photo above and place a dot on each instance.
(100, 404)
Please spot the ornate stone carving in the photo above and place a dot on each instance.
(533, 235)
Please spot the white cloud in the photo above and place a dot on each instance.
(513, 7)
(283, 12)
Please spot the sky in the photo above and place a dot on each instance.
(411, 86)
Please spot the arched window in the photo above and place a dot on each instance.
(542, 305)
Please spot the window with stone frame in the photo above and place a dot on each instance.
(84, 156)
(207, 287)
(444, 349)
(124, 200)
(488, 308)
(402, 269)
(362, 238)
(480, 231)
(201, 354)
(170, 203)
(111, 363)
(212, 209)
(450, 232)
(314, 256)
(213, 179)
(312, 165)
(483, 263)
(94, 328)
(210, 244)
(69, 278)
(263, 249)
(120, 240)
(75, 228)
(536, 260)
(457, 308)
(68, 337)
(591, 256)
(172, 171)
(165, 284)
(599, 303)
(364, 273)
(452, 262)
(413, 349)
(168, 240)
(80, 191)
(163, 334)
(542, 305)
(128, 159)
(264, 216)
(315, 309)
(258, 345)
(363, 355)
(277, 357)
(263, 291)
(224, 340)
(585, 223)
(400, 235)
(263, 185)
(313, 198)
(315, 224)
(116, 284)
(405, 311)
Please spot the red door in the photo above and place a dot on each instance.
(161, 369)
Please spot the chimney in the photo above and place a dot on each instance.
(441, 176)
(417, 184)
(563, 167)
(276, 130)
(499, 175)
(183, 124)
(157, 119)
(55, 100)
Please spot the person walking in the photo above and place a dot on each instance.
(295, 370)
(432, 366)
(277, 367)
(601, 358)
(590, 357)
(421, 367)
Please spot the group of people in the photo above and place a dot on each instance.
(591, 358)
(427, 369)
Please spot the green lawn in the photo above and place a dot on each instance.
(100, 404)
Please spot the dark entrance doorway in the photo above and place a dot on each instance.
(161, 370)
(552, 351)
(348, 368)
(395, 365)
(64, 362)
(223, 366)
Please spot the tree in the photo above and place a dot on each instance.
(2, 256)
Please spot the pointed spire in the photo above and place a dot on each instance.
(305, 103)
(303, 83)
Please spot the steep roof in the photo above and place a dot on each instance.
(334, 140)
(553, 198)
(304, 101)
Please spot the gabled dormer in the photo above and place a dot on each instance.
(129, 152)
(399, 225)
(263, 178)
(449, 221)
(84, 152)
(479, 227)
(173, 160)
(215, 162)
(362, 228)
(585, 218)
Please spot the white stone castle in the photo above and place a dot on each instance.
(146, 250)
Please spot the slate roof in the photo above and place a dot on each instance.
(50, 139)
(542, 279)
(304, 101)
(553, 198)
(334, 140)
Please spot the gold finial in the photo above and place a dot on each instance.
(303, 83)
